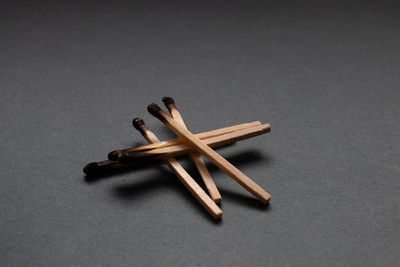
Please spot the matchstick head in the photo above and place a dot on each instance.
(91, 168)
(156, 111)
(113, 155)
(138, 123)
(98, 167)
(169, 102)
(124, 158)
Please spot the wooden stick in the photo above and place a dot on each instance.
(210, 154)
(94, 168)
(195, 156)
(97, 167)
(113, 155)
(178, 150)
(180, 172)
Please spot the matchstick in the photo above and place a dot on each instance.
(178, 150)
(113, 155)
(105, 166)
(100, 166)
(210, 154)
(195, 156)
(180, 172)
(94, 168)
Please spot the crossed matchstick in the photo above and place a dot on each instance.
(192, 144)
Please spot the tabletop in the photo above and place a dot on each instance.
(324, 74)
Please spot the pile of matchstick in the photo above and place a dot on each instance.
(194, 145)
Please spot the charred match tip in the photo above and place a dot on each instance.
(156, 111)
(113, 155)
(138, 123)
(124, 158)
(169, 102)
(91, 168)
(153, 108)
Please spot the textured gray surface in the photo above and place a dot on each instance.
(325, 75)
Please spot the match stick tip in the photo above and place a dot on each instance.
(218, 215)
(156, 111)
(217, 199)
(169, 103)
(124, 158)
(90, 168)
(113, 155)
(168, 100)
(137, 123)
(153, 108)
(267, 199)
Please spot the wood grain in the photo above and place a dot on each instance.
(197, 160)
(114, 154)
(99, 167)
(187, 180)
(210, 154)
(182, 149)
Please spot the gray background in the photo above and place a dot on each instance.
(325, 75)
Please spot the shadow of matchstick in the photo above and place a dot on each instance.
(164, 178)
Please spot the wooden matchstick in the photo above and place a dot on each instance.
(195, 156)
(105, 166)
(94, 168)
(180, 172)
(210, 154)
(178, 150)
(101, 166)
(113, 155)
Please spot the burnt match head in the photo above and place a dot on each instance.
(98, 167)
(169, 102)
(124, 158)
(156, 111)
(138, 123)
(113, 155)
(91, 168)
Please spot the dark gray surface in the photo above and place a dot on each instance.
(325, 75)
